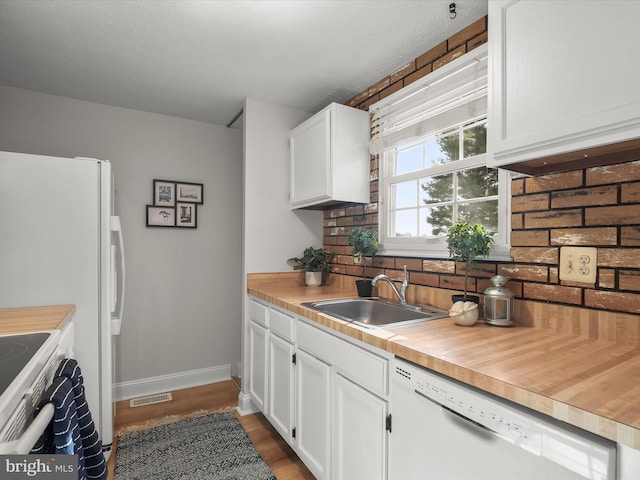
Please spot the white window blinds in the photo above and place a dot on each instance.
(455, 93)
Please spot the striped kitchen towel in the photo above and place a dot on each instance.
(72, 430)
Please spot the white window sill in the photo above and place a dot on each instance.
(499, 252)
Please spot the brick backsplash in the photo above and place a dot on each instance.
(596, 207)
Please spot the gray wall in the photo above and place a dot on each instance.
(272, 231)
(183, 296)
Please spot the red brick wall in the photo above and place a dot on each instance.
(596, 207)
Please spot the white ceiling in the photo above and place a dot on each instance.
(200, 59)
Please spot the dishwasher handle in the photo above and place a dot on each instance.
(463, 421)
(471, 425)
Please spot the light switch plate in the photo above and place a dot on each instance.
(578, 264)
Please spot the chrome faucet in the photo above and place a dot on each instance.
(402, 294)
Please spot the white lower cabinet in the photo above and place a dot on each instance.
(326, 394)
(280, 406)
(359, 432)
(351, 409)
(313, 413)
(258, 364)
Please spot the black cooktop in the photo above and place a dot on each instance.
(15, 353)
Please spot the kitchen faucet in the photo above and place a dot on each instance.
(402, 294)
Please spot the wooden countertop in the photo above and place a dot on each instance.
(591, 383)
(34, 319)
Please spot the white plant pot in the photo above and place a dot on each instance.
(467, 319)
(313, 279)
(464, 313)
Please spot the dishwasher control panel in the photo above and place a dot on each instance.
(532, 431)
(480, 409)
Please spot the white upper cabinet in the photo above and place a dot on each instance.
(330, 158)
(563, 83)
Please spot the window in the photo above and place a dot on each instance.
(431, 140)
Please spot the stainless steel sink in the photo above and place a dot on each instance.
(374, 312)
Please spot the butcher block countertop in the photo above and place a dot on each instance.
(34, 319)
(582, 367)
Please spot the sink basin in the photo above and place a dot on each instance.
(373, 312)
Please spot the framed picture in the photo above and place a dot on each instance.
(186, 215)
(164, 193)
(189, 192)
(159, 216)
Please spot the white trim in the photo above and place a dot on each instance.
(173, 381)
(499, 252)
(245, 405)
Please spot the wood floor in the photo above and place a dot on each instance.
(274, 450)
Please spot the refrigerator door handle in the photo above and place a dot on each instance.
(116, 320)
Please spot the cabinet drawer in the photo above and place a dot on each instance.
(258, 313)
(282, 324)
(363, 367)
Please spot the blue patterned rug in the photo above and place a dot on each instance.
(213, 446)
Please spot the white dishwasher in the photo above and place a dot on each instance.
(444, 429)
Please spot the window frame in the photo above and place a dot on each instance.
(436, 246)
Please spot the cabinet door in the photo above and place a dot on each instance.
(569, 89)
(310, 160)
(359, 433)
(258, 364)
(313, 413)
(281, 377)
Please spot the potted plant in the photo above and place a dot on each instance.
(466, 242)
(314, 261)
(364, 243)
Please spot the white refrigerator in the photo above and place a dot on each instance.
(61, 244)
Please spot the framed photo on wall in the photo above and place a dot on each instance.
(164, 193)
(158, 216)
(186, 215)
(189, 192)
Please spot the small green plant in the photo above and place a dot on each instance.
(364, 243)
(467, 242)
(313, 260)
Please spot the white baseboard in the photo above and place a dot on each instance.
(168, 383)
(245, 405)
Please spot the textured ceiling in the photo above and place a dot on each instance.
(200, 59)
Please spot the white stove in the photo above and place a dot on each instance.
(27, 365)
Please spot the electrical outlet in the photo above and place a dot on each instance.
(578, 264)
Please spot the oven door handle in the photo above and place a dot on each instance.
(24, 444)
